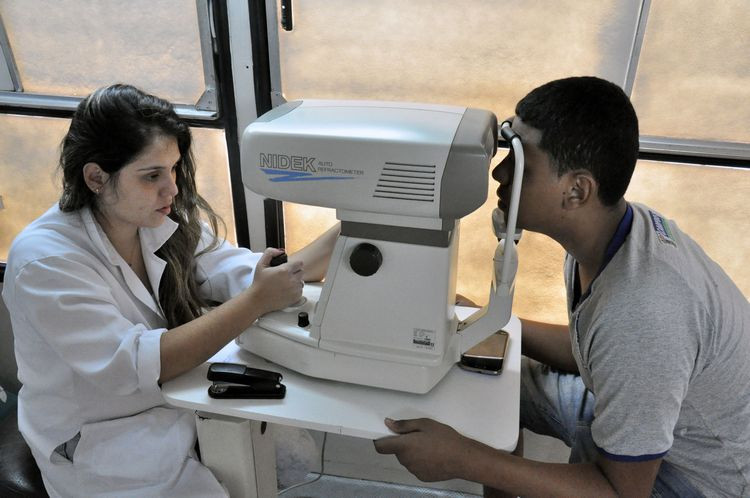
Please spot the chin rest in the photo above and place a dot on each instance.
(19, 475)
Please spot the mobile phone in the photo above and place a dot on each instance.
(487, 356)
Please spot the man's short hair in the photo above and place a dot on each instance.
(586, 123)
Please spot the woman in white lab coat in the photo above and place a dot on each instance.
(108, 294)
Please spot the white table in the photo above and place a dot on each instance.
(233, 437)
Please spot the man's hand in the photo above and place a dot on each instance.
(428, 449)
(435, 452)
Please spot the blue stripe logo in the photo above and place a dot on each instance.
(298, 176)
(662, 229)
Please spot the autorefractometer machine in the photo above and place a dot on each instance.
(400, 176)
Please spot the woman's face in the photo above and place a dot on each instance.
(145, 188)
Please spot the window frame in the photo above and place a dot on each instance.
(241, 64)
(216, 108)
(205, 112)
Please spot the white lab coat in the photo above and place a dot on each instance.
(87, 335)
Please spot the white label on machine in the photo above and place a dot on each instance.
(424, 339)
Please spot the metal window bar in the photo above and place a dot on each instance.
(63, 106)
(635, 49)
(208, 101)
(706, 152)
(10, 79)
(274, 54)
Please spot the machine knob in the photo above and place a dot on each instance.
(365, 259)
(303, 320)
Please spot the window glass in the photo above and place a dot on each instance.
(464, 53)
(702, 200)
(70, 47)
(212, 174)
(693, 80)
(30, 184)
(708, 203)
(471, 53)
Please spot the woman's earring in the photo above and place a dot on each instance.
(96, 191)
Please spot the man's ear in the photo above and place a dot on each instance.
(581, 188)
(94, 176)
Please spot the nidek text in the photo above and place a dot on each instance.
(282, 161)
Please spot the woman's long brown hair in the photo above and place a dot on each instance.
(110, 128)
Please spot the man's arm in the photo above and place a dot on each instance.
(434, 452)
(548, 344)
(317, 254)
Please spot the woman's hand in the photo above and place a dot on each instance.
(276, 287)
(188, 345)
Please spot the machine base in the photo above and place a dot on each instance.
(317, 362)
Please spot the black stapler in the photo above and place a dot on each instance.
(234, 380)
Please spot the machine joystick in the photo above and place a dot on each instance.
(366, 259)
(278, 260)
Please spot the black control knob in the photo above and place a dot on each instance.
(366, 259)
(302, 319)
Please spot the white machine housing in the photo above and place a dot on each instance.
(400, 176)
